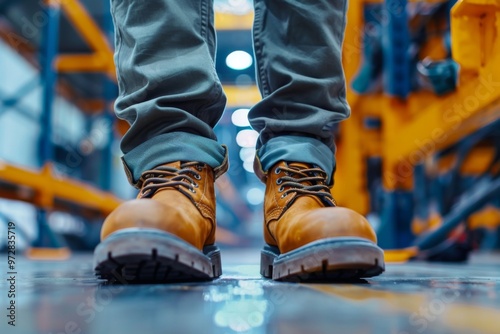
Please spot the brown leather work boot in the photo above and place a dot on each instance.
(308, 237)
(167, 233)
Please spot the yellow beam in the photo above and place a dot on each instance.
(408, 143)
(85, 25)
(488, 217)
(47, 187)
(242, 95)
(93, 105)
(81, 63)
(227, 21)
(410, 1)
(102, 59)
(475, 163)
(475, 7)
(474, 32)
(442, 123)
(350, 179)
(45, 253)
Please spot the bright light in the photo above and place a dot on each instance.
(248, 166)
(239, 60)
(247, 154)
(240, 117)
(247, 138)
(255, 196)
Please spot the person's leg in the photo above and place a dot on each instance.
(169, 90)
(298, 49)
(171, 96)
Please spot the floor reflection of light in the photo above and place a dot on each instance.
(242, 306)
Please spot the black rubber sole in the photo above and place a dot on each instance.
(327, 260)
(152, 256)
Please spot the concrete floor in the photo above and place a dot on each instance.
(64, 297)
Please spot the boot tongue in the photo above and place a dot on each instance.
(300, 166)
(174, 164)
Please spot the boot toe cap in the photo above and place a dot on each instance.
(135, 213)
(332, 222)
(147, 213)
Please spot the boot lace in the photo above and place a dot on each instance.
(305, 181)
(170, 177)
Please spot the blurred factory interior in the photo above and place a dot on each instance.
(420, 151)
(419, 156)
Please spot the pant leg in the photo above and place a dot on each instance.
(298, 46)
(168, 88)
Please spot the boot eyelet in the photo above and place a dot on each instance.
(284, 195)
(277, 170)
(195, 185)
(281, 189)
(192, 190)
(279, 181)
(197, 176)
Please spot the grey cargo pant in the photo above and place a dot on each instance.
(172, 97)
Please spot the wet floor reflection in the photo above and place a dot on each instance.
(63, 297)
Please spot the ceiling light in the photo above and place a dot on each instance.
(239, 60)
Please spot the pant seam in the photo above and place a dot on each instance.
(216, 93)
(257, 32)
(118, 46)
(342, 91)
(204, 20)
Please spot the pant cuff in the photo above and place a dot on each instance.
(174, 146)
(297, 149)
